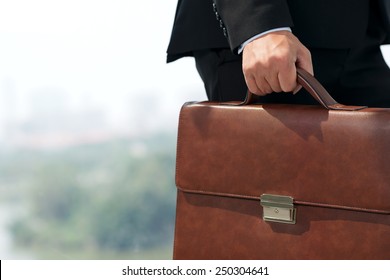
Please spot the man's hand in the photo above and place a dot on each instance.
(269, 63)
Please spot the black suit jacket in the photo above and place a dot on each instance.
(336, 24)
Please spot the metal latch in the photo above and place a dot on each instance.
(278, 208)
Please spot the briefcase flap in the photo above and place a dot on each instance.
(318, 157)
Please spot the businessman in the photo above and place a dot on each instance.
(258, 44)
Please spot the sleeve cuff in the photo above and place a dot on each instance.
(241, 48)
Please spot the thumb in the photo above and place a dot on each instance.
(304, 62)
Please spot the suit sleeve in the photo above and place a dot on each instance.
(244, 19)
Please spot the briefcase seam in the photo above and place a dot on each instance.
(297, 202)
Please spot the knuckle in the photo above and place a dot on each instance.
(248, 69)
(306, 53)
(279, 58)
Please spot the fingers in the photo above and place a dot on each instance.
(287, 77)
(259, 87)
(269, 63)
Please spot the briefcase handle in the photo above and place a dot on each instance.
(314, 87)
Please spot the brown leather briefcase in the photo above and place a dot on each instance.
(283, 181)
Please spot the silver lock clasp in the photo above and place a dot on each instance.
(278, 208)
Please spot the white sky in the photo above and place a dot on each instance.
(86, 40)
(103, 51)
(109, 49)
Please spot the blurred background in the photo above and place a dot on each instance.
(88, 123)
(88, 120)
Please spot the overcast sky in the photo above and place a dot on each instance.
(106, 51)
(87, 42)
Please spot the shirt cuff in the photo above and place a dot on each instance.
(241, 48)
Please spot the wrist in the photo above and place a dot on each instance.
(281, 29)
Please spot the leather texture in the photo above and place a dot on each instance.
(334, 163)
